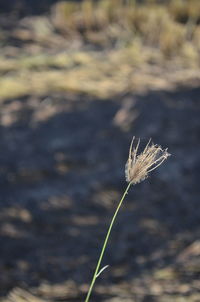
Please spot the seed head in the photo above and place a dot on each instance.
(138, 166)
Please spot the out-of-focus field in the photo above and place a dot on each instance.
(100, 49)
(76, 82)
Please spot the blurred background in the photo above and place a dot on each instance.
(77, 80)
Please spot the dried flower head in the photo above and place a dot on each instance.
(138, 166)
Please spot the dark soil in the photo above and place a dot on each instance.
(62, 165)
(61, 174)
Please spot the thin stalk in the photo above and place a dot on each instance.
(96, 273)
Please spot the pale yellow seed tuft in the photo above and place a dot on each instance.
(138, 166)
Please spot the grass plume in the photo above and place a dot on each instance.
(139, 166)
(136, 170)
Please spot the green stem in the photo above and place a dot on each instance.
(105, 244)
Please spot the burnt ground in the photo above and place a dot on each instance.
(61, 174)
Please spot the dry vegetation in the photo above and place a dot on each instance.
(164, 26)
(125, 41)
(103, 49)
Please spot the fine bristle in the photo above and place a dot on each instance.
(138, 166)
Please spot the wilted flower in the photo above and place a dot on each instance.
(138, 166)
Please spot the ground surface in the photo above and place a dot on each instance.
(61, 174)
